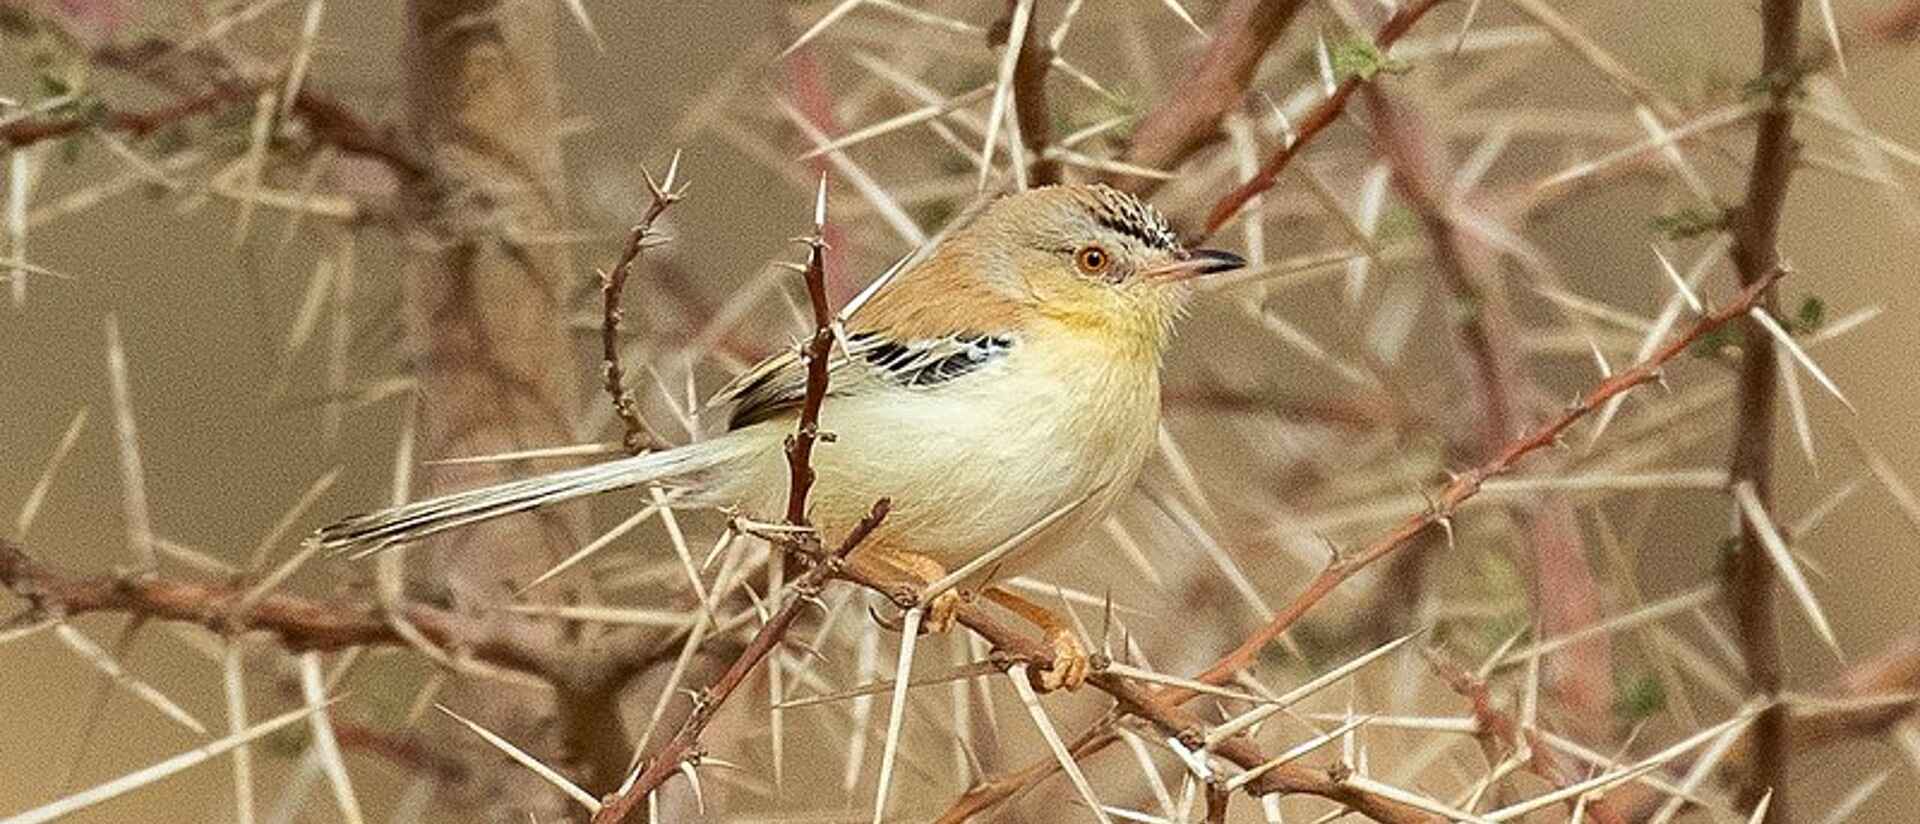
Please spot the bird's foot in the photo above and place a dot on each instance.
(1070, 662)
(943, 611)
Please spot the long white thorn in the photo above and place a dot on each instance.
(1003, 87)
(313, 690)
(1290, 697)
(103, 660)
(140, 778)
(1780, 334)
(1018, 675)
(814, 30)
(1757, 517)
(897, 711)
(524, 759)
(236, 692)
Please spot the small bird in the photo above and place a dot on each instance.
(1005, 387)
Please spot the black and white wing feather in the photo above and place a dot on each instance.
(872, 361)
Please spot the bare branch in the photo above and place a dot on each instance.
(300, 623)
(612, 285)
(1315, 122)
(1189, 119)
(1756, 229)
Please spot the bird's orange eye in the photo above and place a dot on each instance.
(1093, 260)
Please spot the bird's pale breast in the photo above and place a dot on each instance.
(971, 464)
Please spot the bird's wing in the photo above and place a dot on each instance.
(873, 360)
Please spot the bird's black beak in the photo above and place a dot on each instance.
(1214, 261)
(1198, 263)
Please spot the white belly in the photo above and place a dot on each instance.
(973, 464)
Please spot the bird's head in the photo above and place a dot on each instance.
(1092, 257)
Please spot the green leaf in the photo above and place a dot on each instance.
(1359, 58)
(1689, 223)
(1638, 697)
(1811, 315)
(1712, 344)
(48, 85)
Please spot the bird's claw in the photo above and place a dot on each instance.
(942, 611)
(1070, 662)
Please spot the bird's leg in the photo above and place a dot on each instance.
(1070, 660)
(924, 569)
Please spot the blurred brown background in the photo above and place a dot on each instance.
(203, 321)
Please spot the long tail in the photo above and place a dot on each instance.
(691, 468)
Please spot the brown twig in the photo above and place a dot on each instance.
(1217, 798)
(331, 122)
(1030, 96)
(612, 285)
(1503, 736)
(301, 624)
(405, 749)
(339, 126)
(799, 447)
(1466, 485)
(817, 350)
(1164, 706)
(1315, 122)
(1756, 229)
(133, 123)
(682, 748)
(1564, 589)
(1188, 120)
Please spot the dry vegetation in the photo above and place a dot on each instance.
(1389, 561)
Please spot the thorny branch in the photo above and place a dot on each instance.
(683, 746)
(1507, 738)
(1315, 122)
(301, 624)
(1467, 484)
(1189, 118)
(133, 123)
(1490, 360)
(818, 349)
(1163, 706)
(612, 285)
(1756, 228)
(330, 120)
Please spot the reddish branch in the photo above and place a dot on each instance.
(1163, 706)
(1188, 120)
(337, 125)
(1756, 229)
(1899, 23)
(1315, 122)
(299, 623)
(1447, 502)
(331, 122)
(409, 750)
(1564, 588)
(612, 285)
(135, 123)
(816, 352)
(1030, 96)
(1501, 736)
